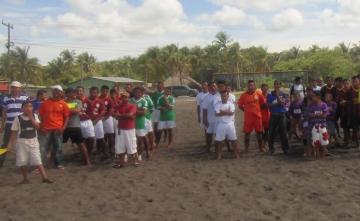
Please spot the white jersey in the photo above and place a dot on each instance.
(232, 98)
(299, 88)
(199, 99)
(228, 106)
(208, 104)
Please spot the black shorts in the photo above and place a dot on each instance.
(74, 134)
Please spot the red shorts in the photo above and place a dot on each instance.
(253, 123)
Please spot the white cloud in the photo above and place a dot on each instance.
(16, 2)
(227, 16)
(287, 19)
(348, 15)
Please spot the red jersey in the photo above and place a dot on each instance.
(93, 109)
(265, 114)
(127, 108)
(108, 105)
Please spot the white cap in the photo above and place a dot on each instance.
(15, 84)
(57, 87)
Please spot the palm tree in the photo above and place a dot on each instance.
(87, 64)
(222, 40)
(24, 68)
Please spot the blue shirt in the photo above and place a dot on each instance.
(36, 105)
(275, 106)
(12, 106)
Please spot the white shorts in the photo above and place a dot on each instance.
(148, 126)
(99, 130)
(109, 125)
(225, 131)
(319, 136)
(167, 125)
(141, 132)
(115, 124)
(87, 129)
(211, 129)
(28, 153)
(156, 115)
(125, 141)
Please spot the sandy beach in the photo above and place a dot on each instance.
(183, 183)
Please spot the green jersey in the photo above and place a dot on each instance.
(140, 119)
(167, 114)
(155, 97)
(150, 107)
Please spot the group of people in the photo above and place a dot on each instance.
(314, 115)
(119, 123)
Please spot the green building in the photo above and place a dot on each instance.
(108, 81)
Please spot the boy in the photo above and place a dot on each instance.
(265, 115)
(225, 129)
(167, 115)
(156, 114)
(316, 113)
(108, 122)
(125, 136)
(148, 123)
(209, 118)
(73, 128)
(140, 121)
(41, 96)
(295, 115)
(23, 131)
(330, 119)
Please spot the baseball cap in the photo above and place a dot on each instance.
(57, 87)
(15, 84)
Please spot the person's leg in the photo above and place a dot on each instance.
(43, 174)
(272, 131)
(44, 141)
(23, 170)
(209, 138)
(84, 153)
(247, 142)
(165, 136)
(356, 135)
(235, 147)
(218, 149)
(170, 137)
(146, 146)
(57, 144)
(100, 147)
(260, 141)
(283, 134)
(157, 133)
(227, 144)
(265, 138)
(89, 143)
(150, 137)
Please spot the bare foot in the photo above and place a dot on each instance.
(25, 181)
(47, 181)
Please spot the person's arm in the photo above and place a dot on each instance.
(3, 120)
(198, 112)
(241, 103)
(35, 122)
(12, 140)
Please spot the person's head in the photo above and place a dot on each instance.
(297, 96)
(113, 93)
(57, 92)
(329, 81)
(212, 87)
(314, 83)
(160, 86)
(80, 91)
(319, 82)
(128, 88)
(221, 85)
(277, 85)
(251, 87)
(41, 94)
(27, 107)
(309, 92)
(264, 88)
(224, 96)
(338, 82)
(355, 82)
(168, 91)
(138, 93)
(104, 90)
(124, 97)
(329, 97)
(347, 84)
(94, 92)
(15, 88)
(70, 93)
(204, 86)
(316, 98)
(229, 88)
(297, 80)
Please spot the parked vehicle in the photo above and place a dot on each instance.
(183, 90)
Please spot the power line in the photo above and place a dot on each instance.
(9, 43)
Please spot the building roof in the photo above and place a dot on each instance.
(118, 79)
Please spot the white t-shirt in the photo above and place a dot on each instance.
(220, 106)
(232, 98)
(208, 104)
(16, 127)
(199, 99)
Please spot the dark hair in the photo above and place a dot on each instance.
(27, 102)
(224, 92)
(137, 88)
(112, 91)
(251, 81)
(338, 79)
(317, 93)
(355, 77)
(78, 87)
(297, 78)
(69, 90)
(221, 82)
(41, 92)
(94, 88)
(104, 87)
(264, 85)
(211, 82)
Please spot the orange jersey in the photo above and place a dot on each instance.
(53, 114)
(251, 104)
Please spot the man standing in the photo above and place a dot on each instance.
(251, 103)
(167, 115)
(298, 88)
(108, 121)
(278, 102)
(199, 99)
(54, 116)
(156, 114)
(209, 117)
(11, 109)
(327, 88)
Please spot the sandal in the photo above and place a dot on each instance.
(117, 166)
(60, 167)
(47, 181)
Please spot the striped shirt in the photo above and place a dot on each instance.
(12, 106)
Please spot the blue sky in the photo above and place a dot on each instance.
(114, 28)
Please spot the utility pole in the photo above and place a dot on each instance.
(9, 43)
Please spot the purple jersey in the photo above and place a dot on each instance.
(318, 109)
(295, 109)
